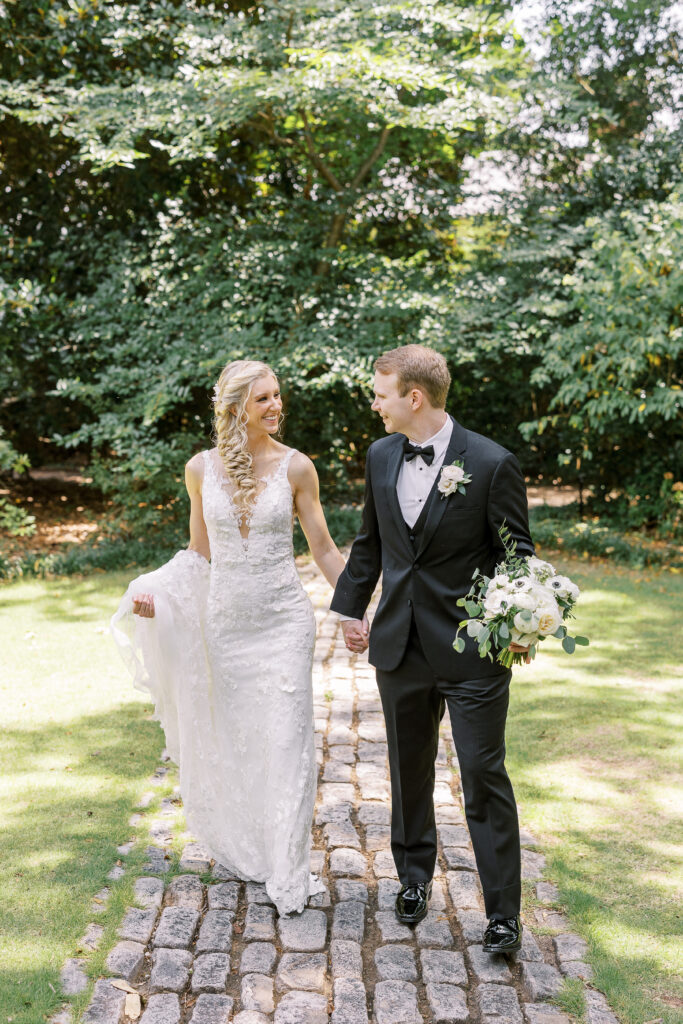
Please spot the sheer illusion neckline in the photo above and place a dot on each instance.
(243, 517)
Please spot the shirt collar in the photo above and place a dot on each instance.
(440, 439)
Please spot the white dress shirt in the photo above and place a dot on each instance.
(416, 478)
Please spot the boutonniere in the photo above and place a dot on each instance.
(453, 478)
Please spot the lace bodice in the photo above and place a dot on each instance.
(269, 539)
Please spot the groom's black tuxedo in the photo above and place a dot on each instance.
(425, 569)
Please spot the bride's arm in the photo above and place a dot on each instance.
(199, 538)
(304, 481)
(143, 604)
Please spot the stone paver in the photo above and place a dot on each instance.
(391, 928)
(443, 967)
(396, 1003)
(258, 958)
(215, 933)
(302, 1008)
(350, 1005)
(499, 1001)
(396, 962)
(149, 891)
(170, 970)
(223, 896)
(185, 891)
(542, 981)
(223, 953)
(447, 1003)
(138, 925)
(195, 858)
(259, 923)
(347, 861)
(349, 921)
(304, 933)
(215, 1009)
(210, 972)
(106, 1006)
(73, 978)
(126, 960)
(257, 993)
(162, 1009)
(487, 967)
(176, 927)
(542, 1013)
(347, 960)
(303, 971)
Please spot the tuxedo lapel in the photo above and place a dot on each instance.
(437, 504)
(393, 468)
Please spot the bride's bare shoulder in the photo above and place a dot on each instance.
(194, 469)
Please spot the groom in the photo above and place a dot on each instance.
(427, 546)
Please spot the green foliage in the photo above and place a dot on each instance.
(562, 529)
(191, 183)
(14, 519)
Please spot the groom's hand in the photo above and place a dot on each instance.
(356, 633)
(516, 649)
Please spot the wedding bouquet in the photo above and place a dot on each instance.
(525, 602)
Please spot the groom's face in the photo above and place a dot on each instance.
(394, 409)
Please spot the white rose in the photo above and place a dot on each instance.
(455, 473)
(447, 486)
(525, 625)
(523, 639)
(563, 587)
(493, 603)
(524, 599)
(549, 618)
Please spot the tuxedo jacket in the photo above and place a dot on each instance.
(423, 579)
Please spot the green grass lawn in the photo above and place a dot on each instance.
(594, 752)
(77, 749)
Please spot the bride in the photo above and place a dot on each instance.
(226, 648)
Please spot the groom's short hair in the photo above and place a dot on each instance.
(417, 366)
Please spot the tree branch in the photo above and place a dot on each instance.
(374, 156)
(317, 160)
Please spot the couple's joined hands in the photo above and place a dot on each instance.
(356, 632)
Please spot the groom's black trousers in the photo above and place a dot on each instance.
(414, 701)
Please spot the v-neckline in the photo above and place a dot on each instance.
(237, 514)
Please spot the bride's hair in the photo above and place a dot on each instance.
(230, 397)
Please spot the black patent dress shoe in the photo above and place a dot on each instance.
(503, 936)
(411, 902)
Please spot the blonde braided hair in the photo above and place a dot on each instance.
(230, 397)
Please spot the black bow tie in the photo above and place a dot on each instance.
(411, 451)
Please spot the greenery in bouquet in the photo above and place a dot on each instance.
(523, 603)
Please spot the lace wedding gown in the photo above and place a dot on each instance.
(227, 659)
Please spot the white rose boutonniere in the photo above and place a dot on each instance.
(453, 478)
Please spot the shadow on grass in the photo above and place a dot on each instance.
(59, 840)
(592, 751)
(91, 598)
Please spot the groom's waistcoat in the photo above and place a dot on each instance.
(427, 568)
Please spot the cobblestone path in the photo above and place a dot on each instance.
(204, 948)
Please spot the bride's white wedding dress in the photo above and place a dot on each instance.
(227, 659)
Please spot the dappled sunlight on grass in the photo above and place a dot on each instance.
(594, 745)
(78, 748)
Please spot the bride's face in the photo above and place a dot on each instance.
(264, 405)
